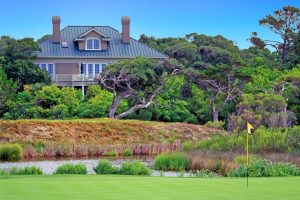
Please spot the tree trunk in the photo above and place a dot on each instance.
(283, 53)
(114, 106)
(215, 113)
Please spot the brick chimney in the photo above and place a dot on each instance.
(125, 29)
(56, 29)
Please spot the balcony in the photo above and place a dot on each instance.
(74, 79)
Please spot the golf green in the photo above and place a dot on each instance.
(84, 187)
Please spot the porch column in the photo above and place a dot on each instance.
(82, 90)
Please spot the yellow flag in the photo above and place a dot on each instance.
(249, 127)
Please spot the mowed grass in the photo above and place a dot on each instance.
(143, 188)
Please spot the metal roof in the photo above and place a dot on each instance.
(116, 48)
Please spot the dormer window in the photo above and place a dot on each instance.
(93, 44)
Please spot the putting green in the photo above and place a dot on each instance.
(87, 187)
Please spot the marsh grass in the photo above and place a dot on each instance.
(171, 162)
(71, 169)
(31, 170)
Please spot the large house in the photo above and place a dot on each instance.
(76, 55)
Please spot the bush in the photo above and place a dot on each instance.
(127, 152)
(217, 125)
(71, 169)
(134, 168)
(293, 139)
(265, 168)
(11, 152)
(21, 171)
(112, 153)
(205, 174)
(171, 162)
(105, 167)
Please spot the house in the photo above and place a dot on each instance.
(76, 55)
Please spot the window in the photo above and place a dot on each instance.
(93, 44)
(64, 44)
(91, 70)
(97, 69)
(49, 67)
(83, 69)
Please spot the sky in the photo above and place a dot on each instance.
(234, 19)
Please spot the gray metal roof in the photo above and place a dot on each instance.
(116, 48)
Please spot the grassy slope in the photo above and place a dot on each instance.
(115, 187)
(99, 131)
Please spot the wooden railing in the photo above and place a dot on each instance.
(74, 78)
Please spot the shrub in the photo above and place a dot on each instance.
(134, 168)
(265, 168)
(171, 162)
(71, 169)
(127, 152)
(11, 152)
(105, 167)
(21, 171)
(217, 125)
(112, 153)
(293, 139)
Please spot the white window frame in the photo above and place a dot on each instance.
(93, 43)
(93, 69)
(47, 68)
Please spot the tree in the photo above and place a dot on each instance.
(265, 109)
(140, 79)
(43, 38)
(17, 60)
(7, 90)
(221, 84)
(285, 23)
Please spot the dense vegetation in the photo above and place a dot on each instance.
(207, 78)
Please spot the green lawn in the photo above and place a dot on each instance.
(88, 187)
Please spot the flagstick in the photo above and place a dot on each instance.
(247, 156)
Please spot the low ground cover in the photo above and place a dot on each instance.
(129, 187)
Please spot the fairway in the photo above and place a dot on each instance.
(129, 187)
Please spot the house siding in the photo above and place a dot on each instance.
(67, 68)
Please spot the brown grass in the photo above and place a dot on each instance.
(223, 162)
(68, 150)
(99, 132)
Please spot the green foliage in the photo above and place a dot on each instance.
(171, 162)
(30, 170)
(134, 168)
(262, 78)
(39, 147)
(71, 169)
(112, 153)
(293, 139)
(11, 152)
(105, 167)
(7, 90)
(127, 152)
(217, 125)
(205, 174)
(265, 168)
(18, 61)
(260, 109)
(262, 140)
